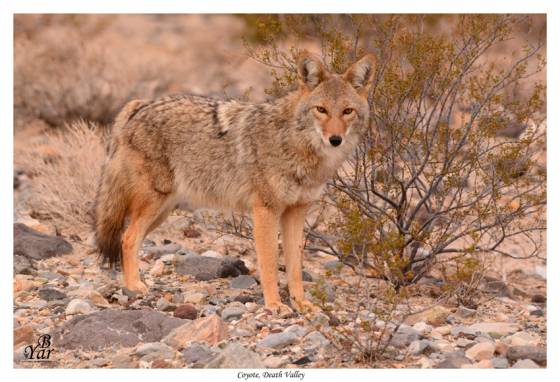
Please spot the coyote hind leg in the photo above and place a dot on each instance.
(147, 211)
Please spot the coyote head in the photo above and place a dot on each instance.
(333, 107)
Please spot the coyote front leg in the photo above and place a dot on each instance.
(265, 222)
(293, 220)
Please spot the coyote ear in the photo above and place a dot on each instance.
(311, 71)
(360, 74)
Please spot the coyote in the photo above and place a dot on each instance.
(271, 159)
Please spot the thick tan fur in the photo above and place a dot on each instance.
(272, 159)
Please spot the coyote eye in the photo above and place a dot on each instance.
(347, 111)
(321, 109)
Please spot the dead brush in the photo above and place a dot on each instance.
(65, 167)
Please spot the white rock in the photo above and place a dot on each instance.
(169, 258)
(79, 306)
(423, 328)
(213, 254)
(540, 270)
(251, 307)
(121, 298)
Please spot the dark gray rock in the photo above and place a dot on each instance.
(50, 294)
(35, 245)
(500, 363)
(278, 340)
(454, 362)
(160, 250)
(114, 327)
(306, 276)
(22, 265)
(535, 353)
(497, 287)
(198, 354)
(537, 313)
(205, 268)
(421, 347)
(244, 298)
(243, 282)
(314, 341)
(130, 293)
(235, 355)
(233, 313)
(404, 336)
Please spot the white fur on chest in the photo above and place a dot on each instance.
(313, 185)
(305, 195)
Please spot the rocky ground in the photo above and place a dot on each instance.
(205, 309)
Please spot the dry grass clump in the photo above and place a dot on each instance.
(65, 168)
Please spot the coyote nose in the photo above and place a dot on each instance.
(335, 140)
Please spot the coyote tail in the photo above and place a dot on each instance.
(112, 199)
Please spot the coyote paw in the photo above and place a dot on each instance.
(279, 309)
(137, 286)
(305, 306)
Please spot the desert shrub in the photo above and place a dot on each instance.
(450, 172)
(65, 167)
(462, 278)
(432, 177)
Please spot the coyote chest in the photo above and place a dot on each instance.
(308, 182)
